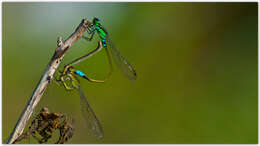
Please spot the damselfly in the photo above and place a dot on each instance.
(70, 81)
(69, 75)
(106, 43)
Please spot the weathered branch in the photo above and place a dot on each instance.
(46, 78)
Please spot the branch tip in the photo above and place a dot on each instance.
(84, 21)
(59, 42)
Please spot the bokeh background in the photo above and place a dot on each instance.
(196, 65)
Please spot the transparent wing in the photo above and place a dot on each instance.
(90, 117)
(121, 62)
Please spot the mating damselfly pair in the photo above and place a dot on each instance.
(69, 76)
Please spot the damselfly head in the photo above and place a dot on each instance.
(96, 21)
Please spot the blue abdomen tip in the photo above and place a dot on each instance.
(79, 73)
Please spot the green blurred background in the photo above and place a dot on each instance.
(196, 69)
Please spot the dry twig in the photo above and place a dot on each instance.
(46, 78)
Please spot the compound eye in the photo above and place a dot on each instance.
(96, 21)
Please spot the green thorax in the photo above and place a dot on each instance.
(101, 32)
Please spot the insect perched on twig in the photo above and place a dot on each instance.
(69, 76)
(44, 124)
(106, 43)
